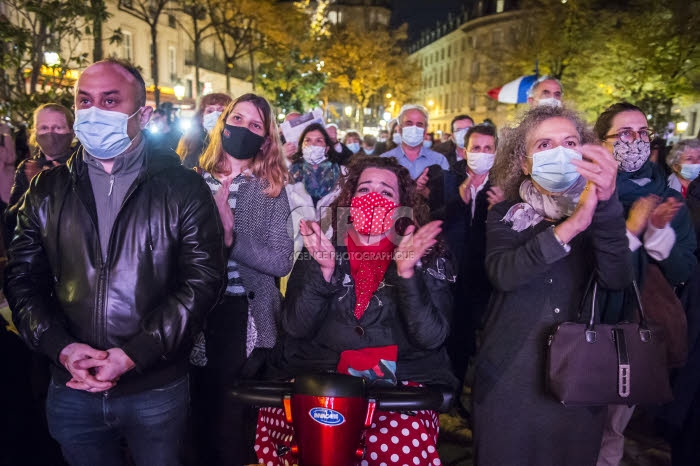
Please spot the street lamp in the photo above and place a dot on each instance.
(431, 103)
(388, 95)
(348, 111)
(682, 126)
(179, 90)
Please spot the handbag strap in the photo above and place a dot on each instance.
(643, 327)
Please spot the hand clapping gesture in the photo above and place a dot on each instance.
(598, 167)
(225, 211)
(414, 245)
(320, 247)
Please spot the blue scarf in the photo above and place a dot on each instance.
(318, 180)
(647, 180)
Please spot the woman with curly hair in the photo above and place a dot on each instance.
(373, 300)
(244, 168)
(560, 222)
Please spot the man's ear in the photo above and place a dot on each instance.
(146, 113)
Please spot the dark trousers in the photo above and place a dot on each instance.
(224, 430)
(90, 427)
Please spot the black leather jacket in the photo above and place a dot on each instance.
(164, 270)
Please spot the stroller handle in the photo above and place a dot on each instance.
(388, 398)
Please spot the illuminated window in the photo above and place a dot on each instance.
(499, 6)
(127, 46)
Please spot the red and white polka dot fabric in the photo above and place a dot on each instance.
(372, 214)
(393, 439)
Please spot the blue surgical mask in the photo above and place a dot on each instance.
(369, 151)
(552, 169)
(102, 132)
(427, 143)
(209, 121)
(690, 171)
(354, 147)
(396, 138)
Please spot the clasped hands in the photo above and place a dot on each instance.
(94, 370)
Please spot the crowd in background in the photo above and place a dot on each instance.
(149, 266)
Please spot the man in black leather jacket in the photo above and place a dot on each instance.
(118, 256)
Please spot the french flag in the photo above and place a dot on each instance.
(515, 92)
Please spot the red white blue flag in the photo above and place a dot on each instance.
(515, 92)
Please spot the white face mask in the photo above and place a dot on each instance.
(314, 154)
(102, 132)
(412, 136)
(396, 138)
(551, 101)
(480, 162)
(209, 120)
(459, 137)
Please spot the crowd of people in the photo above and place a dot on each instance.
(150, 271)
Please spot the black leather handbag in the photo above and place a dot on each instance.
(594, 364)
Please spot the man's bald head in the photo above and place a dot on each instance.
(129, 72)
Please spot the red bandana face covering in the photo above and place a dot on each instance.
(372, 214)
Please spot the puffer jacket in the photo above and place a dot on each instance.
(164, 268)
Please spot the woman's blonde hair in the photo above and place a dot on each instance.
(507, 171)
(50, 107)
(267, 165)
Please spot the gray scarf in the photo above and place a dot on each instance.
(537, 206)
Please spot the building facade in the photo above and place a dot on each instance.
(456, 71)
(175, 54)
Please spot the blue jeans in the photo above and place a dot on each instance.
(90, 427)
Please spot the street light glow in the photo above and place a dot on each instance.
(348, 111)
(431, 103)
(52, 59)
(681, 126)
(179, 90)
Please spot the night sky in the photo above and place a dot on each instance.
(422, 14)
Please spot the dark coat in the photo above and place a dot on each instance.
(19, 187)
(686, 380)
(538, 285)
(319, 322)
(163, 272)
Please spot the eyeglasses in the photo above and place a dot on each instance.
(629, 135)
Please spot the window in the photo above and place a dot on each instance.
(127, 46)
(335, 17)
(442, 54)
(447, 76)
(125, 3)
(441, 76)
(499, 6)
(172, 63)
(475, 71)
(497, 37)
(449, 51)
(171, 21)
(472, 101)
